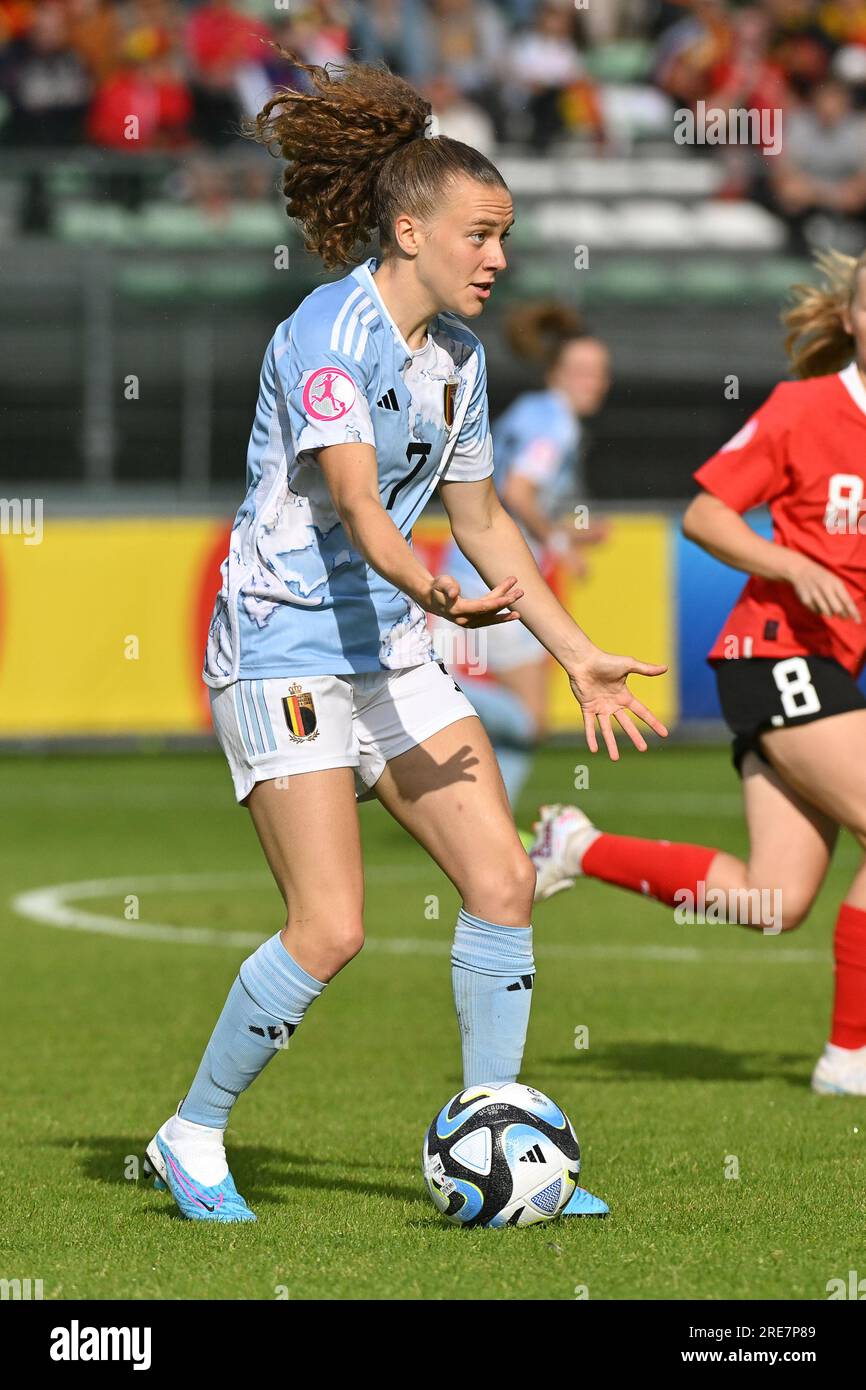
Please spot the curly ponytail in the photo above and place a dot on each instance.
(817, 343)
(357, 156)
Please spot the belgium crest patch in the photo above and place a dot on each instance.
(451, 386)
(300, 712)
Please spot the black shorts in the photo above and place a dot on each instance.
(760, 693)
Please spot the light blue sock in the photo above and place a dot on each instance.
(492, 972)
(510, 728)
(264, 1007)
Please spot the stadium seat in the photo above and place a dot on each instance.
(95, 224)
(740, 225)
(154, 280)
(634, 112)
(177, 226)
(574, 222)
(659, 175)
(631, 279)
(258, 224)
(624, 60)
(654, 223)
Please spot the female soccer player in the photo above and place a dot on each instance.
(321, 671)
(538, 475)
(786, 664)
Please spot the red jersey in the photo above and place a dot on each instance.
(804, 456)
(221, 40)
(162, 106)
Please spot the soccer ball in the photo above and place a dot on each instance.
(501, 1156)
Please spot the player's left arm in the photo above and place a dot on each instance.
(490, 538)
(492, 541)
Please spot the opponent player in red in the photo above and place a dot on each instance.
(786, 663)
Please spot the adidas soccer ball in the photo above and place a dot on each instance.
(501, 1156)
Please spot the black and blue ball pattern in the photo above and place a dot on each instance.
(501, 1155)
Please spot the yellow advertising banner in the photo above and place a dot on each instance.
(103, 623)
(97, 627)
(625, 605)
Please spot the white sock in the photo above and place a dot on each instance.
(576, 848)
(198, 1148)
(841, 1054)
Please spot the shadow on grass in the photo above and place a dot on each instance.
(675, 1061)
(264, 1174)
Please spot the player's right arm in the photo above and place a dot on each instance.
(747, 472)
(327, 377)
(351, 473)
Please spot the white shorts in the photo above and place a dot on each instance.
(276, 727)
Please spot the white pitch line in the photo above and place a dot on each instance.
(52, 906)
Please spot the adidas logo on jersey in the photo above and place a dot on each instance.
(389, 400)
(533, 1155)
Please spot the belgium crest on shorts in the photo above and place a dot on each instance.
(300, 714)
(450, 397)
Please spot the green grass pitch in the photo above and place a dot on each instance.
(701, 1041)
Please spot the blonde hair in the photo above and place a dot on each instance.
(817, 343)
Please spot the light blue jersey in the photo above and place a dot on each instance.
(296, 597)
(537, 437)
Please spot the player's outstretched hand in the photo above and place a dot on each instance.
(599, 685)
(445, 601)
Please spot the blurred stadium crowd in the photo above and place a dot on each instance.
(524, 73)
(70, 70)
(578, 101)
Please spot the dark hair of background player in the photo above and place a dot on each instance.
(539, 331)
(818, 343)
(357, 156)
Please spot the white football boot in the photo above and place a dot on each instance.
(563, 834)
(841, 1071)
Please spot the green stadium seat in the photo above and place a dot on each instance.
(258, 224)
(774, 278)
(626, 60)
(236, 281)
(632, 279)
(177, 227)
(95, 224)
(156, 280)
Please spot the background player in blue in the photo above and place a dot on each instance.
(323, 678)
(539, 475)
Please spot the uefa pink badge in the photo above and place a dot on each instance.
(329, 394)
